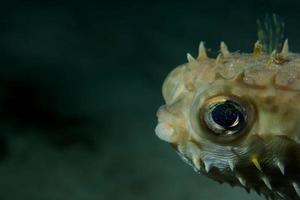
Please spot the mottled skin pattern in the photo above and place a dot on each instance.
(265, 156)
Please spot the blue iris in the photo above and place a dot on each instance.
(227, 114)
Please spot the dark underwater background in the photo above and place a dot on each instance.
(80, 83)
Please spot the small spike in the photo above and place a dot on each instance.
(257, 48)
(190, 58)
(285, 47)
(224, 50)
(197, 162)
(231, 165)
(207, 166)
(255, 161)
(202, 51)
(272, 58)
(297, 188)
(218, 58)
(276, 58)
(273, 54)
(281, 167)
(267, 182)
(242, 181)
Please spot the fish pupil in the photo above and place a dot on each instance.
(227, 115)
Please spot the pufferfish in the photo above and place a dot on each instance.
(236, 118)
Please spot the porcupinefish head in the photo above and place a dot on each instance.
(236, 118)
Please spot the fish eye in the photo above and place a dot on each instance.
(225, 116)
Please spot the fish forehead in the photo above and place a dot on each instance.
(266, 155)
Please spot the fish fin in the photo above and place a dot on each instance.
(270, 32)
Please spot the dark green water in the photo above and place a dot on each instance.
(80, 84)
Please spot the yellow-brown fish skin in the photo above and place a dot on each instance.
(265, 156)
